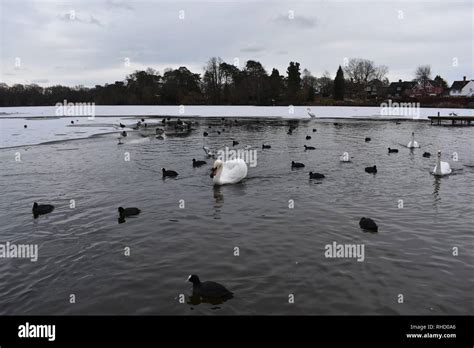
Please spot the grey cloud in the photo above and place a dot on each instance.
(76, 18)
(298, 21)
(152, 35)
(119, 5)
(252, 49)
(40, 81)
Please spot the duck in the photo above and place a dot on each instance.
(205, 134)
(229, 172)
(413, 143)
(124, 134)
(126, 212)
(290, 131)
(316, 175)
(72, 122)
(266, 146)
(198, 163)
(209, 289)
(441, 168)
(234, 142)
(426, 154)
(367, 140)
(41, 209)
(308, 137)
(296, 164)
(169, 173)
(309, 148)
(372, 170)
(122, 125)
(314, 130)
(368, 224)
(25, 126)
(310, 113)
(392, 150)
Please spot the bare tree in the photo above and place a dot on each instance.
(360, 71)
(325, 84)
(213, 79)
(423, 74)
(381, 73)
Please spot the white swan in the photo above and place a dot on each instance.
(230, 172)
(310, 113)
(441, 168)
(413, 143)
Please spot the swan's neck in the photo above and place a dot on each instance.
(217, 176)
(438, 165)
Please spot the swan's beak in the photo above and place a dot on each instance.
(213, 172)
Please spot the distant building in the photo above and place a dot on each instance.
(400, 89)
(458, 88)
(375, 89)
(468, 89)
(429, 88)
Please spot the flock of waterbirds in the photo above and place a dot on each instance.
(233, 172)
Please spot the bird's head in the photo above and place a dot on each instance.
(216, 166)
(194, 279)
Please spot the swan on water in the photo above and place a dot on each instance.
(413, 143)
(230, 172)
(441, 168)
(310, 113)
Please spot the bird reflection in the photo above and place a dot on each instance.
(195, 300)
(436, 185)
(218, 196)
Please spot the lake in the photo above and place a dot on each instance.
(264, 239)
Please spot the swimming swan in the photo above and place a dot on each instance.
(413, 143)
(230, 172)
(441, 168)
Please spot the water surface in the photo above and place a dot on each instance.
(81, 250)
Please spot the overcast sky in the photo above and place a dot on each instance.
(88, 42)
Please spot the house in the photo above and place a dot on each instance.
(400, 89)
(468, 89)
(429, 88)
(458, 88)
(375, 88)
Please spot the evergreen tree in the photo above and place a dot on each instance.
(294, 81)
(339, 85)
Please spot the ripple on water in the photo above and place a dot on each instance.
(281, 249)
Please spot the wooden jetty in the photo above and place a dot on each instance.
(452, 120)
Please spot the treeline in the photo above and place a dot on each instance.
(220, 84)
